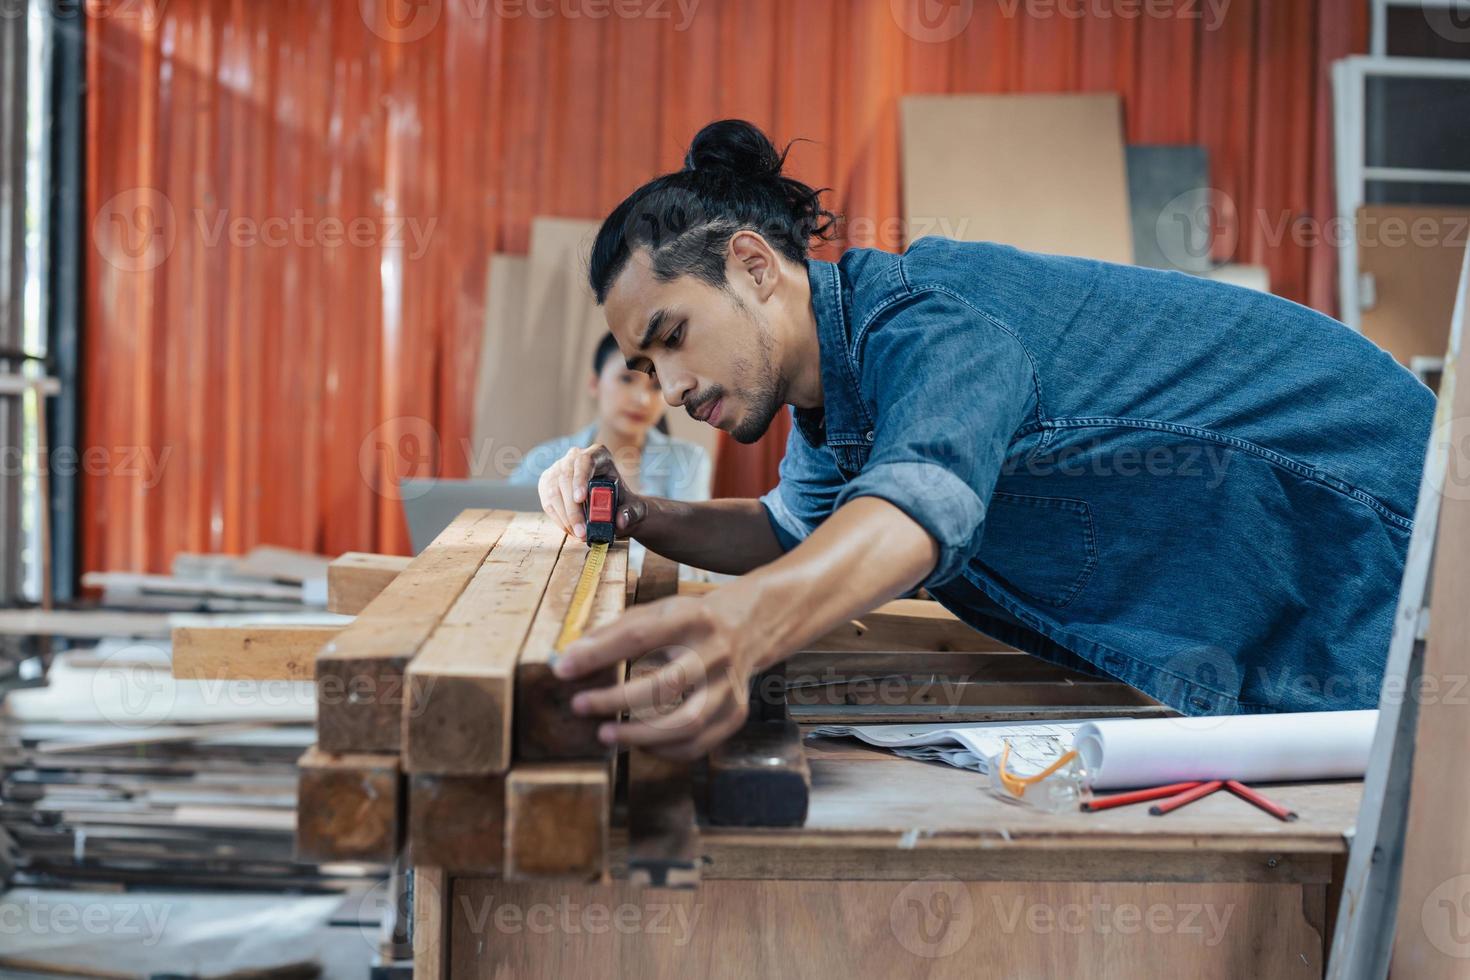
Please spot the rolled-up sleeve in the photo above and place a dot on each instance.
(949, 389)
(810, 482)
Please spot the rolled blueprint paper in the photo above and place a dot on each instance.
(1129, 752)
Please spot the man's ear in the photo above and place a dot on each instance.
(753, 260)
(592, 380)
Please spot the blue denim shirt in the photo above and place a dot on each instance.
(1200, 490)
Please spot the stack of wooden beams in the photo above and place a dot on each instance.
(440, 726)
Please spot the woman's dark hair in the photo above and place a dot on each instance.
(606, 347)
(731, 181)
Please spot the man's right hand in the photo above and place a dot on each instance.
(563, 489)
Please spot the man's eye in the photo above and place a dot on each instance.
(675, 336)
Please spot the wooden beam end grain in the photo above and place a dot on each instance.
(556, 821)
(348, 807)
(457, 823)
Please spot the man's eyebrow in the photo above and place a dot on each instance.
(654, 322)
(636, 363)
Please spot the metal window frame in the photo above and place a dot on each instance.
(1352, 173)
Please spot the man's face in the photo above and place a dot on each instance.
(709, 350)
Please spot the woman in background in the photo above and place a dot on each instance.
(630, 424)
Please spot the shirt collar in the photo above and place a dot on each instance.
(841, 420)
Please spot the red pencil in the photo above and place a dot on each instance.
(1251, 796)
(1188, 796)
(1136, 796)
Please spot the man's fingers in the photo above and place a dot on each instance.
(631, 635)
(582, 468)
(650, 696)
(550, 491)
(673, 742)
(570, 506)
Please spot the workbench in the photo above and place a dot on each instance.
(908, 868)
(535, 852)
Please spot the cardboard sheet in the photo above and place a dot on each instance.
(1412, 254)
(1042, 172)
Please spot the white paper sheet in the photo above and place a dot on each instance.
(1034, 745)
(1128, 752)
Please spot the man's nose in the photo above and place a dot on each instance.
(677, 389)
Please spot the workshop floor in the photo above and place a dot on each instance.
(141, 934)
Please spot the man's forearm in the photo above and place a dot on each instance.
(867, 552)
(731, 536)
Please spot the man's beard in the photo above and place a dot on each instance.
(764, 396)
(762, 406)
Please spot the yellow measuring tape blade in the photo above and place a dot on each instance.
(581, 607)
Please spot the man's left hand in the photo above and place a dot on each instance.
(700, 694)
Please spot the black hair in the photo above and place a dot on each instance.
(606, 347)
(731, 181)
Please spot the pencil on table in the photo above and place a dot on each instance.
(1188, 796)
(1136, 796)
(1251, 796)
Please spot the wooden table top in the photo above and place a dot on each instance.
(874, 815)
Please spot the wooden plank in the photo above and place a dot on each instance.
(348, 807)
(1433, 937)
(556, 821)
(924, 714)
(814, 667)
(255, 653)
(431, 893)
(908, 624)
(1370, 902)
(663, 836)
(546, 729)
(282, 564)
(356, 578)
(360, 673)
(920, 625)
(457, 714)
(457, 823)
(123, 583)
(83, 624)
(945, 691)
(938, 929)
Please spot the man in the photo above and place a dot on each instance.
(1202, 491)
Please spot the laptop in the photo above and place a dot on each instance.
(430, 504)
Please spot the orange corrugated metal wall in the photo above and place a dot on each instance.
(293, 203)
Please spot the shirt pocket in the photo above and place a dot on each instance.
(1041, 548)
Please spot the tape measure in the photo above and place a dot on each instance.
(602, 501)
